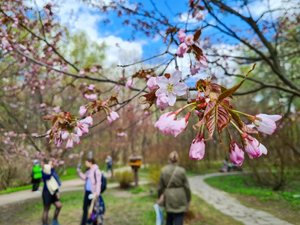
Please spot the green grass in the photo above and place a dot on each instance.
(122, 207)
(243, 188)
(70, 174)
(202, 169)
(10, 190)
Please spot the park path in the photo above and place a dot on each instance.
(69, 185)
(228, 205)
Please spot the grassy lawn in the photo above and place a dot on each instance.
(282, 204)
(70, 174)
(202, 169)
(126, 207)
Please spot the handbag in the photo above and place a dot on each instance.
(161, 200)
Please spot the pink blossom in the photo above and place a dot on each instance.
(181, 35)
(171, 87)
(129, 83)
(197, 149)
(189, 40)
(122, 134)
(81, 73)
(162, 102)
(81, 129)
(90, 96)
(91, 87)
(87, 120)
(152, 83)
(70, 143)
(164, 123)
(109, 119)
(253, 147)
(236, 153)
(65, 135)
(178, 126)
(203, 61)
(94, 70)
(182, 48)
(117, 88)
(266, 123)
(58, 142)
(112, 116)
(82, 110)
(199, 16)
(75, 138)
(195, 68)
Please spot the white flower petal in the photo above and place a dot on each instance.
(180, 89)
(175, 77)
(172, 99)
(263, 149)
(162, 90)
(162, 81)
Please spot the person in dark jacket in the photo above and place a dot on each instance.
(178, 194)
(36, 176)
(50, 193)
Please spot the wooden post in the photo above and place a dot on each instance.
(136, 178)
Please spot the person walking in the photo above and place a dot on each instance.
(36, 176)
(224, 166)
(109, 163)
(92, 187)
(50, 193)
(174, 185)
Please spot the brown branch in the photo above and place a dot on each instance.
(275, 66)
(20, 125)
(71, 74)
(42, 39)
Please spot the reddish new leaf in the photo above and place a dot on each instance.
(149, 98)
(249, 129)
(223, 118)
(211, 123)
(235, 117)
(197, 34)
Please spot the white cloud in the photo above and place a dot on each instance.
(257, 8)
(80, 16)
(120, 51)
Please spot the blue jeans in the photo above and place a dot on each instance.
(108, 167)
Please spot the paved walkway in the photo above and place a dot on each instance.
(229, 205)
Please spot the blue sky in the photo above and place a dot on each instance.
(79, 16)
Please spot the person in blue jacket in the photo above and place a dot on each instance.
(50, 196)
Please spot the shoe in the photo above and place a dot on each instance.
(55, 222)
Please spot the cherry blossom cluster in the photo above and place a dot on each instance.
(97, 106)
(13, 143)
(65, 127)
(213, 109)
(164, 89)
(89, 91)
(188, 45)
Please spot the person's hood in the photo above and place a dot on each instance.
(47, 169)
(95, 167)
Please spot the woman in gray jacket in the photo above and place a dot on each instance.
(178, 194)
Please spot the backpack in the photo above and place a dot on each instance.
(103, 183)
